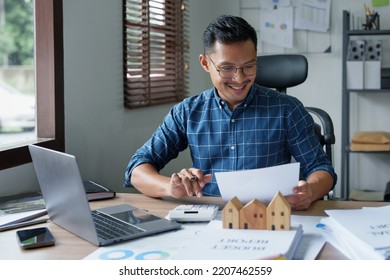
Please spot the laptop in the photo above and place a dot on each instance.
(67, 204)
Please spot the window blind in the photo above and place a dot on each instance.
(155, 52)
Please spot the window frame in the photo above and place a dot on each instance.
(49, 75)
(159, 82)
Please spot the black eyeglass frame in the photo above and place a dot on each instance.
(236, 69)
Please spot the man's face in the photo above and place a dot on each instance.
(235, 89)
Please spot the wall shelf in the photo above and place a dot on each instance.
(346, 93)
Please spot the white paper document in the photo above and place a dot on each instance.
(276, 26)
(21, 217)
(312, 241)
(313, 15)
(161, 246)
(271, 4)
(179, 244)
(262, 183)
(359, 233)
(215, 242)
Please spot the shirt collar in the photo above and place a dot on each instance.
(248, 100)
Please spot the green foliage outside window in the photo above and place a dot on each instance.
(16, 32)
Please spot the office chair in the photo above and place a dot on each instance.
(288, 70)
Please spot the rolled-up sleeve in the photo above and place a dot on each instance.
(164, 145)
(304, 144)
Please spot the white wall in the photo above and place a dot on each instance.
(103, 134)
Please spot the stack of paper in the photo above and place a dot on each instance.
(215, 242)
(20, 208)
(180, 244)
(359, 233)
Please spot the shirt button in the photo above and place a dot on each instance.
(232, 148)
(233, 120)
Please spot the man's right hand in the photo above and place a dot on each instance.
(188, 182)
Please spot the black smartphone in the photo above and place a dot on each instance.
(35, 238)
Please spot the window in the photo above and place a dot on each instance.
(49, 85)
(155, 50)
(17, 71)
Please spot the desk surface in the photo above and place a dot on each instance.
(71, 247)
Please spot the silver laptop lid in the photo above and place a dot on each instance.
(67, 204)
(63, 191)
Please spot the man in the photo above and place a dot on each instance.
(236, 125)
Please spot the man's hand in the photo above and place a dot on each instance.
(316, 186)
(188, 182)
(302, 197)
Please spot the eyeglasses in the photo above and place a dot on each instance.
(228, 71)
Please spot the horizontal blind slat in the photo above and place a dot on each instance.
(154, 52)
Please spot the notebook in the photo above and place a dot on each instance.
(67, 204)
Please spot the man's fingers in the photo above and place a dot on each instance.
(191, 181)
(176, 179)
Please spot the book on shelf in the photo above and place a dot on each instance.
(360, 234)
(96, 191)
(216, 242)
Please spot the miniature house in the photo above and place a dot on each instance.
(231, 214)
(253, 215)
(256, 215)
(278, 213)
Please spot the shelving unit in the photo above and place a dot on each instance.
(346, 94)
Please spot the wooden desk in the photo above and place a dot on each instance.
(71, 247)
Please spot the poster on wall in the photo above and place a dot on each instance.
(313, 15)
(267, 4)
(276, 26)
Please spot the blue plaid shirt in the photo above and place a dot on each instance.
(268, 128)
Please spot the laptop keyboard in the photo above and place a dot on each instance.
(108, 227)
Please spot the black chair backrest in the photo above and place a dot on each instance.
(281, 71)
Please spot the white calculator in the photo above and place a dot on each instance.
(194, 213)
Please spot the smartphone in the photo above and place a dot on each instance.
(35, 238)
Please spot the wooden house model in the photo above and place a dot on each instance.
(278, 213)
(231, 212)
(253, 215)
(256, 215)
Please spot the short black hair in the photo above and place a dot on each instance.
(228, 29)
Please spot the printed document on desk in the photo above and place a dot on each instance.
(162, 246)
(20, 208)
(175, 244)
(313, 241)
(359, 233)
(262, 183)
(21, 217)
(217, 243)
